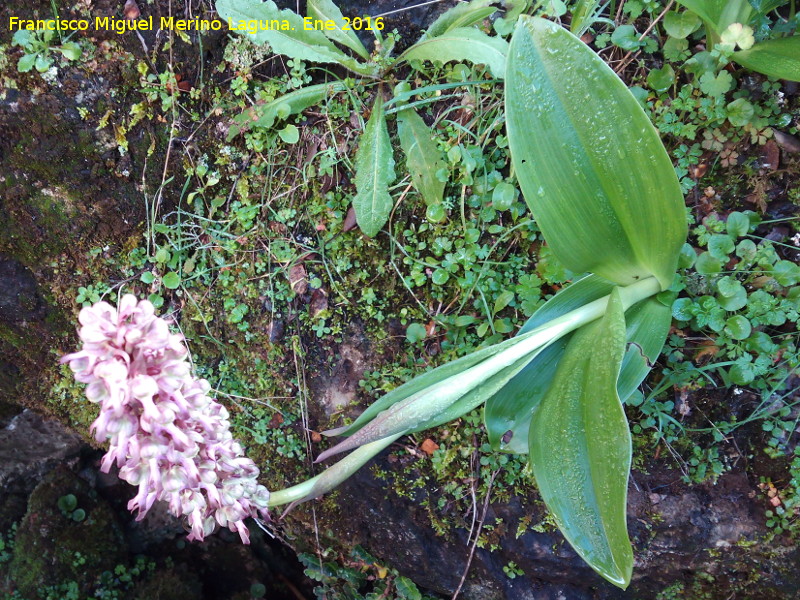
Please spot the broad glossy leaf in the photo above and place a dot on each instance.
(325, 10)
(462, 44)
(264, 115)
(423, 157)
(646, 327)
(374, 173)
(580, 447)
(510, 410)
(463, 14)
(295, 41)
(778, 58)
(508, 413)
(718, 14)
(590, 164)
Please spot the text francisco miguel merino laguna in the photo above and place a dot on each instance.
(120, 26)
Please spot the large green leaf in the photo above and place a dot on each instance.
(326, 11)
(580, 447)
(292, 39)
(264, 115)
(718, 14)
(508, 413)
(778, 58)
(647, 326)
(589, 162)
(423, 157)
(463, 14)
(374, 173)
(463, 43)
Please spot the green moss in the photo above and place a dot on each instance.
(51, 548)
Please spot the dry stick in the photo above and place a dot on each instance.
(477, 536)
(628, 58)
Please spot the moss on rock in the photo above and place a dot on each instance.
(51, 548)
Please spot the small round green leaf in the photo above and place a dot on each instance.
(147, 277)
(740, 111)
(687, 257)
(290, 134)
(661, 79)
(171, 280)
(503, 196)
(78, 515)
(435, 213)
(786, 272)
(682, 309)
(720, 246)
(415, 333)
(707, 264)
(738, 327)
(680, 25)
(741, 374)
(440, 276)
(738, 224)
(626, 37)
(42, 62)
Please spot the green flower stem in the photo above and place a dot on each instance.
(332, 476)
(440, 402)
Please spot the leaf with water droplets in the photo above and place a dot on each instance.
(778, 58)
(374, 173)
(463, 43)
(589, 162)
(580, 447)
(508, 413)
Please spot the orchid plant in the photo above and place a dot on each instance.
(606, 198)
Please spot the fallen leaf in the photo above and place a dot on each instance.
(131, 10)
(429, 447)
(770, 156)
(787, 142)
(708, 350)
(298, 279)
(350, 220)
(318, 303)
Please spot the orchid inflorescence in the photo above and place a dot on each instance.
(167, 436)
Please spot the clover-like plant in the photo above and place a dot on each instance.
(604, 193)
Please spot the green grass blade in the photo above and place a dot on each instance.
(374, 173)
(580, 447)
(590, 164)
(325, 11)
(423, 157)
(778, 58)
